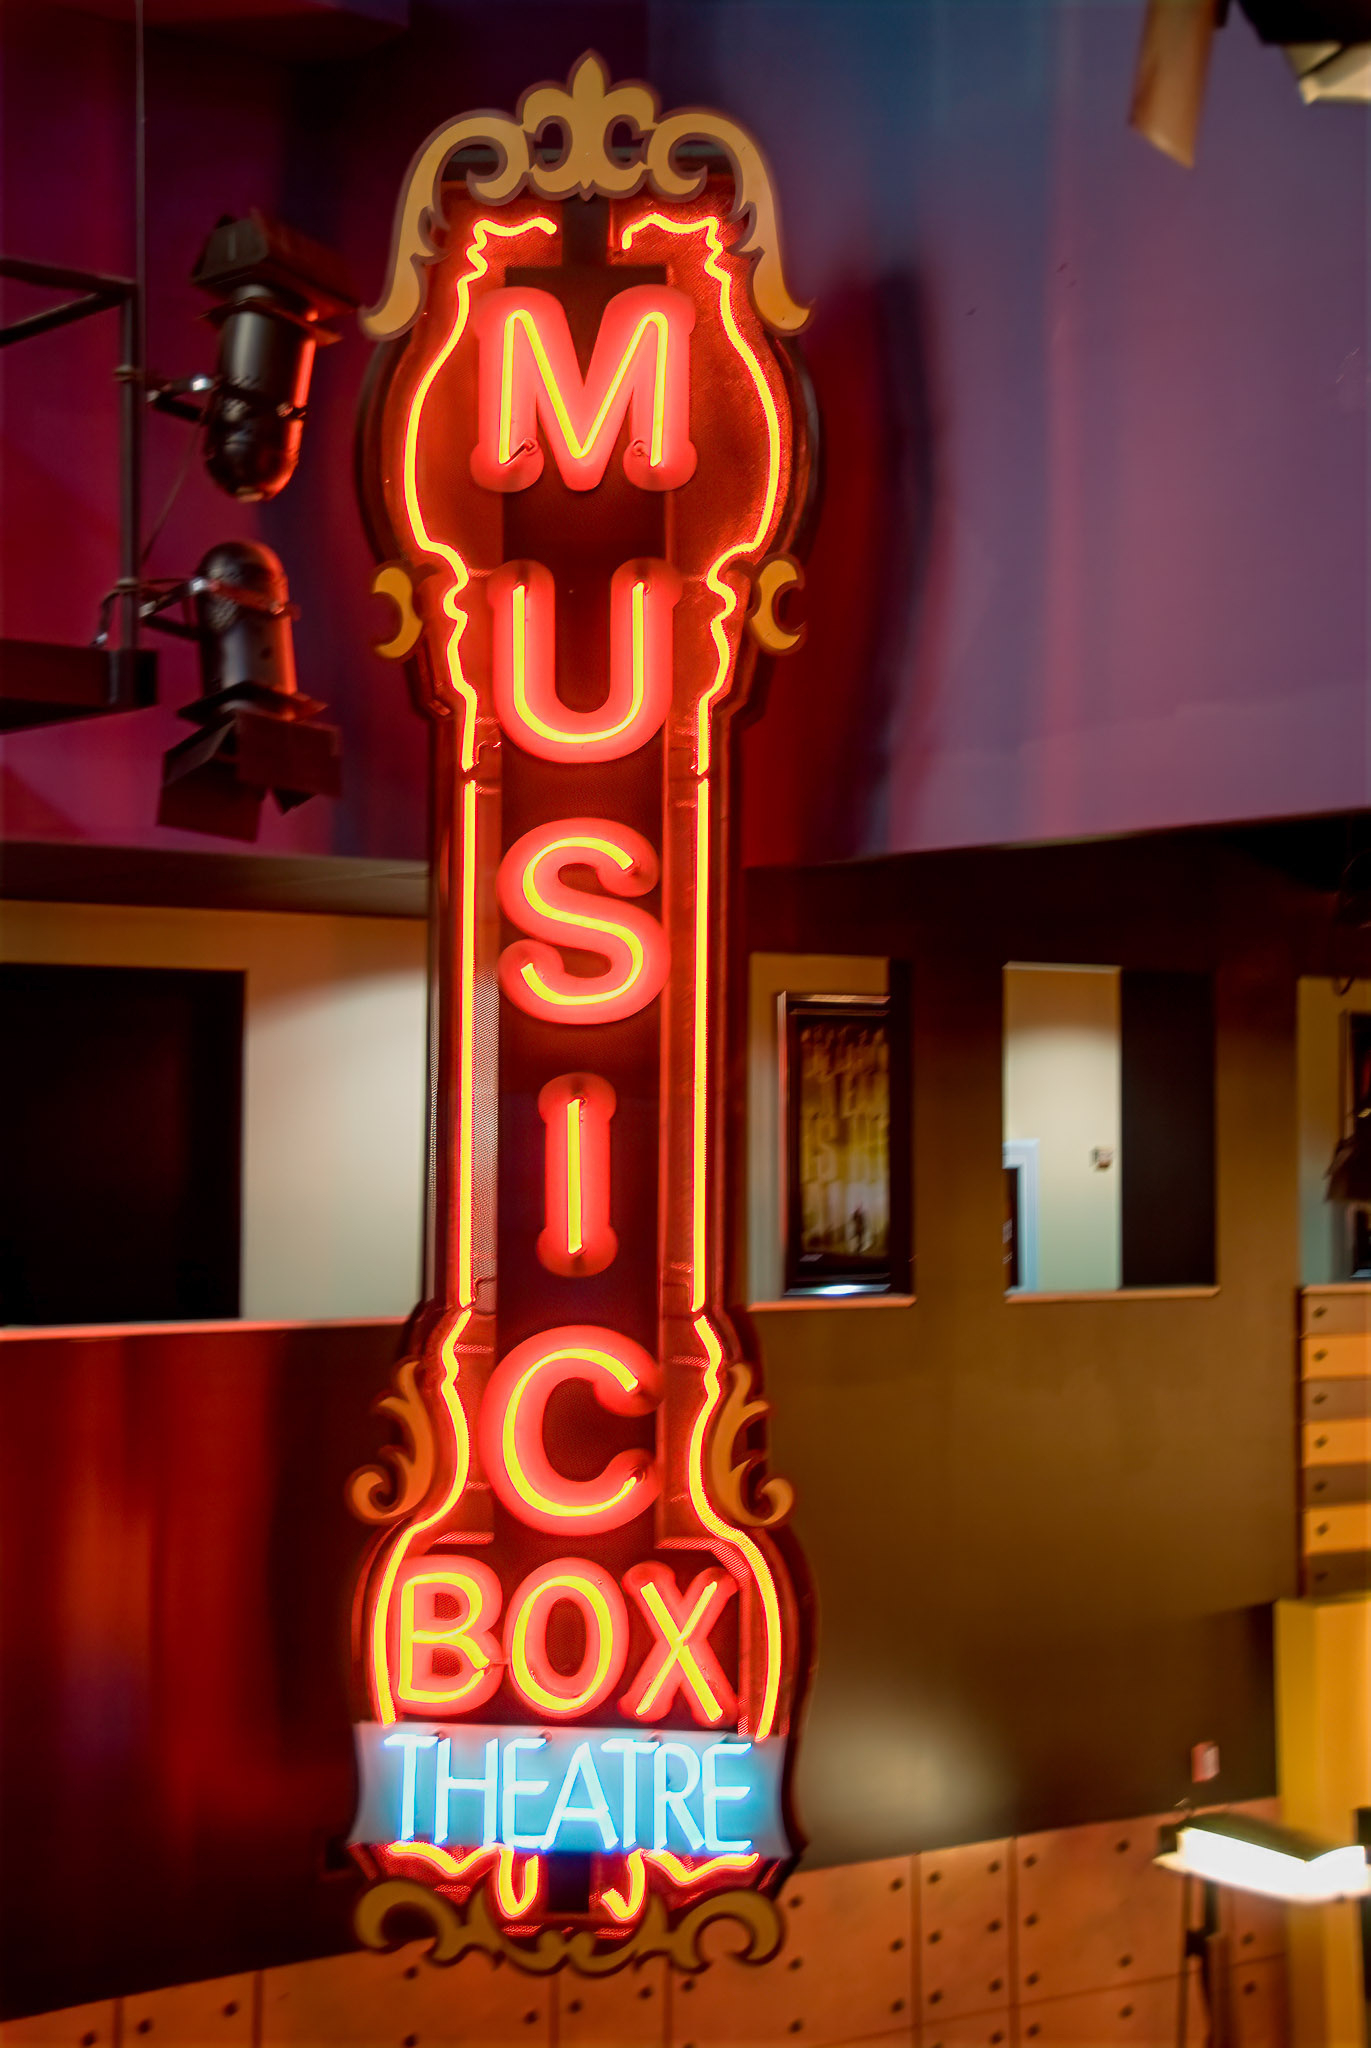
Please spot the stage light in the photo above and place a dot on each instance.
(274, 287)
(258, 734)
(1250, 1855)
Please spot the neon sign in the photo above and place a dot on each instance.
(581, 1640)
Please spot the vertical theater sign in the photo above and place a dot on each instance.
(584, 457)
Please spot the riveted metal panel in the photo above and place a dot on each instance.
(217, 2014)
(1094, 1910)
(402, 2001)
(965, 1913)
(628, 2010)
(844, 1974)
(76, 2026)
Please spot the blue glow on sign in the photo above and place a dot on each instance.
(578, 1790)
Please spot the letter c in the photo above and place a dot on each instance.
(625, 1380)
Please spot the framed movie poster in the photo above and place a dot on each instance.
(844, 1077)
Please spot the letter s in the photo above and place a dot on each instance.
(533, 897)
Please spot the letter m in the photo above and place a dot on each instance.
(529, 379)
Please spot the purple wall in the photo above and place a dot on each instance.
(1092, 551)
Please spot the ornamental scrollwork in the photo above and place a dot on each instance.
(457, 1933)
(614, 140)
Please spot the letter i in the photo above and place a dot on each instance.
(577, 1239)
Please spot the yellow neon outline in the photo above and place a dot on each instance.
(713, 576)
(461, 576)
(442, 1859)
(628, 1380)
(522, 320)
(532, 1687)
(676, 1640)
(461, 1466)
(581, 921)
(717, 1526)
(511, 1903)
(628, 1908)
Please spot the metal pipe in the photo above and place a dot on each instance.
(131, 383)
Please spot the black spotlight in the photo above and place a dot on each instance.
(257, 733)
(274, 287)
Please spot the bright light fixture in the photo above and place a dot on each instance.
(1257, 1856)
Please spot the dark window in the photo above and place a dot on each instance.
(120, 1144)
(1166, 1029)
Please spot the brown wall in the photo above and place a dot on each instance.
(1045, 1535)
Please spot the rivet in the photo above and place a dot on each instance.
(992, 1927)
(993, 1867)
(230, 2009)
(1246, 1939)
(795, 1962)
(1030, 1920)
(1248, 1988)
(575, 2005)
(1125, 2012)
(898, 2005)
(646, 1991)
(934, 1876)
(795, 2026)
(935, 1935)
(530, 2019)
(411, 2041)
(1121, 1848)
(897, 1884)
(89, 2040)
(1124, 1961)
(412, 1971)
(1031, 1978)
(896, 1946)
(1033, 2030)
(1029, 1861)
(935, 1997)
(797, 1900)
(996, 1984)
(689, 1985)
(145, 2026)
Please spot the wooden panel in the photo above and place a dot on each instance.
(844, 1974)
(1094, 1910)
(193, 2015)
(1143, 2016)
(1259, 2004)
(403, 2001)
(1338, 1443)
(1335, 1311)
(1335, 1358)
(628, 2010)
(1337, 1528)
(76, 2026)
(964, 1931)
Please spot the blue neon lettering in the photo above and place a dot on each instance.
(411, 1744)
(713, 1792)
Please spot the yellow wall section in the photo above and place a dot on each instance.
(1323, 1704)
(333, 1108)
(1062, 1088)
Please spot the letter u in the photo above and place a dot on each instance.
(642, 597)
